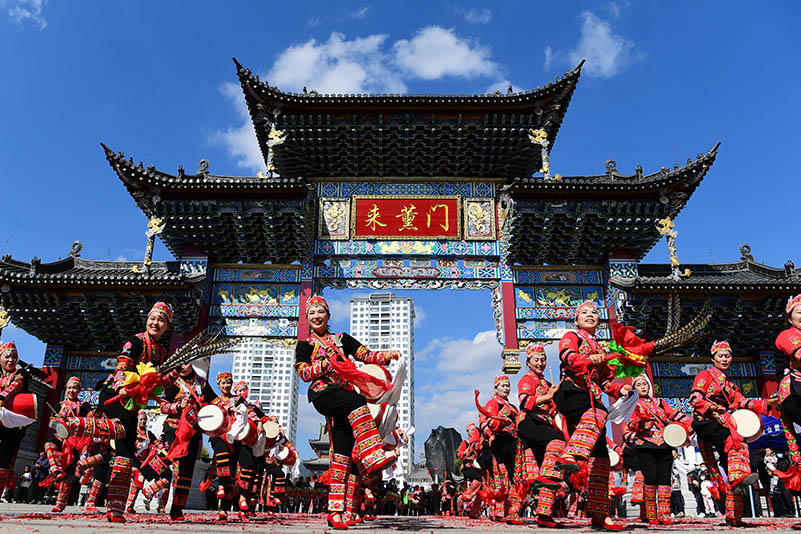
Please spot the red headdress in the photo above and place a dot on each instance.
(792, 302)
(224, 376)
(8, 347)
(720, 345)
(242, 383)
(317, 300)
(586, 304)
(533, 349)
(162, 308)
(72, 380)
(499, 379)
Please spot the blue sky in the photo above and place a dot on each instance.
(663, 82)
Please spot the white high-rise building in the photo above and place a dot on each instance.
(384, 322)
(268, 368)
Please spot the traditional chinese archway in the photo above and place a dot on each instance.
(377, 191)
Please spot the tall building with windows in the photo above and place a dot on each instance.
(385, 322)
(267, 367)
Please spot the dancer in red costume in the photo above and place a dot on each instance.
(643, 434)
(184, 399)
(63, 455)
(788, 367)
(713, 397)
(469, 449)
(499, 424)
(120, 421)
(226, 455)
(586, 376)
(12, 382)
(539, 431)
(249, 462)
(353, 431)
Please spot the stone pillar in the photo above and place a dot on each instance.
(54, 372)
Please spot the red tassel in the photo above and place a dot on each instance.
(625, 337)
(791, 478)
(183, 435)
(618, 491)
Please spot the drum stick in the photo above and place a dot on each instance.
(550, 370)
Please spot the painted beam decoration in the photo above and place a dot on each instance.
(262, 302)
(546, 301)
(406, 217)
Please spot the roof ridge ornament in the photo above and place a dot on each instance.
(154, 227)
(75, 251)
(540, 137)
(203, 168)
(665, 227)
(745, 252)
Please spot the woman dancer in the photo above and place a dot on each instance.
(64, 455)
(12, 382)
(468, 452)
(499, 424)
(788, 343)
(226, 455)
(353, 432)
(644, 433)
(712, 397)
(538, 430)
(184, 398)
(587, 375)
(120, 421)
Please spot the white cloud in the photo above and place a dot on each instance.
(22, 11)
(337, 66)
(315, 21)
(462, 365)
(549, 56)
(435, 52)
(239, 141)
(616, 7)
(359, 13)
(476, 15)
(606, 52)
(419, 315)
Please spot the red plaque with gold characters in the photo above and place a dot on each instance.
(406, 217)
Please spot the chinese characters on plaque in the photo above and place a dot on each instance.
(407, 217)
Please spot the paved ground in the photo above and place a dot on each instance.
(32, 519)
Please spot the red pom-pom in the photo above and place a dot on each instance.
(579, 480)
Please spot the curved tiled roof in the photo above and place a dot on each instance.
(139, 177)
(406, 135)
(690, 174)
(75, 271)
(736, 276)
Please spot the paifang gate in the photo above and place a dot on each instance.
(392, 191)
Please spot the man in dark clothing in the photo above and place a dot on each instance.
(41, 467)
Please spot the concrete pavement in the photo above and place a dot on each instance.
(37, 519)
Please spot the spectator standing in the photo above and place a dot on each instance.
(694, 482)
(41, 468)
(680, 469)
(24, 485)
(706, 494)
